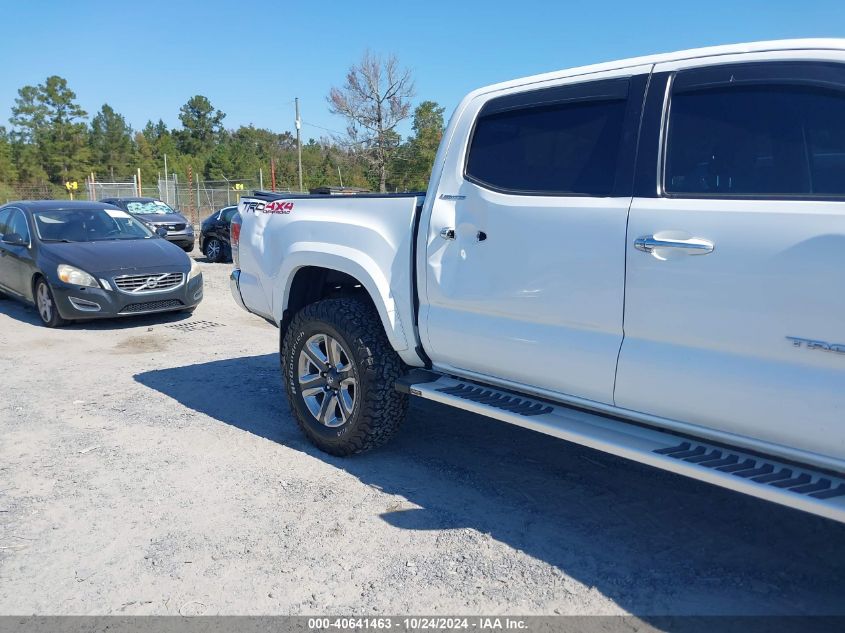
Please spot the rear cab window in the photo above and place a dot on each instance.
(562, 141)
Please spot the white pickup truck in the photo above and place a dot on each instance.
(645, 257)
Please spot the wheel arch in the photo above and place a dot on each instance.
(34, 280)
(335, 277)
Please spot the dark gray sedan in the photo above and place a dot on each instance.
(84, 260)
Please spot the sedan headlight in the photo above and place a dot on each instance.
(195, 269)
(76, 277)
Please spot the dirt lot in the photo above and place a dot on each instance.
(149, 469)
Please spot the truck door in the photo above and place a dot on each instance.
(525, 262)
(735, 297)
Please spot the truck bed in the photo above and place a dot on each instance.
(369, 237)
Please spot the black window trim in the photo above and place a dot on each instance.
(8, 208)
(765, 77)
(634, 96)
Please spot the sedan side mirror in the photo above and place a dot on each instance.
(15, 239)
(161, 231)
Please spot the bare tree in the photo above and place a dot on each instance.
(374, 100)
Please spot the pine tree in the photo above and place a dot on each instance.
(203, 126)
(111, 144)
(8, 171)
(47, 118)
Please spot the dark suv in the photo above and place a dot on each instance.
(156, 214)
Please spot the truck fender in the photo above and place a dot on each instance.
(352, 262)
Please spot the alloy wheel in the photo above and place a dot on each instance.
(45, 302)
(212, 250)
(327, 380)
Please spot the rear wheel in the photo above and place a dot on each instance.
(45, 304)
(214, 250)
(340, 371)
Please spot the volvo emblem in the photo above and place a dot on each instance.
(152, 282)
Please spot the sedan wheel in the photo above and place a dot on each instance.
(214, 250)
(46, 305)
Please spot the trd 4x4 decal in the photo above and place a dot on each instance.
(279, 206)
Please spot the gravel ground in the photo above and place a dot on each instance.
(146, 469)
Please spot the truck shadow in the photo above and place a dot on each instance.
(651, 541)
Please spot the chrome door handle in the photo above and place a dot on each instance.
(695, 245)
(447, 233)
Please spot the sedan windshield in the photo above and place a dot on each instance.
(149, 207)
(89, 225)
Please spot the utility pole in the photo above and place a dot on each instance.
(194, 216)
(298, 143)
(166, 189)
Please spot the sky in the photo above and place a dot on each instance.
(251, 58)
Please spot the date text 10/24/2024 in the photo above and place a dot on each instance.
(418, 623)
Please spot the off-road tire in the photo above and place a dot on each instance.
(379, 409)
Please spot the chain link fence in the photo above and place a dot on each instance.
(30, 192)
(196, 201)
(100, 190)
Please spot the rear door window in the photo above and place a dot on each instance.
(558, 141)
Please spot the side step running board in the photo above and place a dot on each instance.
(799, 487)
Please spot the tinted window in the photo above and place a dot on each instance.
(228, 213)
(17, 224)
(4, 220)
(564, 148)
(757, 140)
